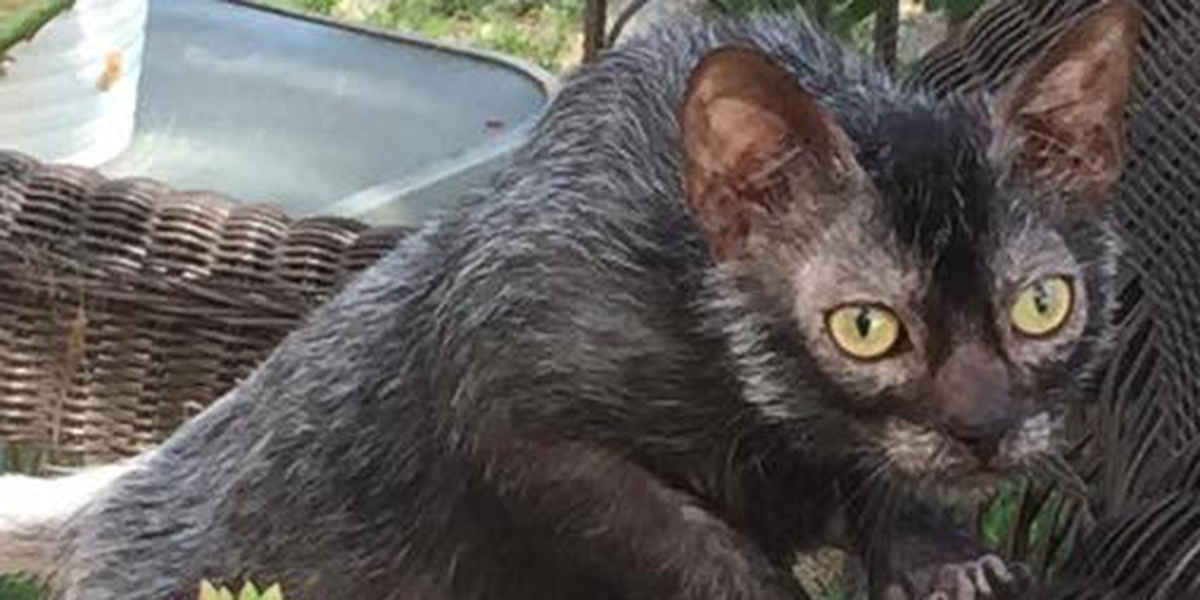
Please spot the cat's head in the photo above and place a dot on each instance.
(938, 273)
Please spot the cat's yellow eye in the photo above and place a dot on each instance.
(864, 331)
(1043, 307)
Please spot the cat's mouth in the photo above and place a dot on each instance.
(925, 454)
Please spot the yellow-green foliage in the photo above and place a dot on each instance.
(21, 19)
(208, 591)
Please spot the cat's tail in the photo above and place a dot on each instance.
(34, 512)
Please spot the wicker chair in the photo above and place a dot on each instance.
(126, 307)
(1145, 428)
(1158, 364)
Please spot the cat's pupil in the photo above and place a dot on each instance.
(863, 322)
(1041, 299)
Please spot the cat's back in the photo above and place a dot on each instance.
(612, 134)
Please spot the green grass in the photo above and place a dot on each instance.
(17, 587)
(546, 33)
(540, 32)
(28, 461)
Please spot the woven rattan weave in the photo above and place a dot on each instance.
(1158, 361)
(126, 307)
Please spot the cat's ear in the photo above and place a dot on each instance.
(744, 120)
(1060, 123)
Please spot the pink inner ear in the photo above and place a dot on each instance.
(740, 110)
(1065, 112)
(749, 136)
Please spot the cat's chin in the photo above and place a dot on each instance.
(982, 479)
(953, 471)
(969, 487)
(926, 457)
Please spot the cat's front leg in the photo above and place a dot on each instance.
(935, 560)
(624, 526)
(985, 578)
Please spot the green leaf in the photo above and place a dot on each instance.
(249, 592)
(955, 9)
(207, 592)
(210, 592)
(22, 587)
(274, 592)
(20, 20)
(854, 13)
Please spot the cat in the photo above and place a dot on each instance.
(739, 295)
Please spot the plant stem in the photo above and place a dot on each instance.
(26, 19)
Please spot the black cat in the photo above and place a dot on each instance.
(740, 295)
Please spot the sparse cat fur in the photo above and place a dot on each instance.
(740, 295)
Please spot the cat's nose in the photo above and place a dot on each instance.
(976, 402)
(982, 429)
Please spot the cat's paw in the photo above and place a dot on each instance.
(986, 578)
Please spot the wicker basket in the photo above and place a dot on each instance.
(126, 307)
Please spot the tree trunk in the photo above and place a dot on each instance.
(623, 19)
(887, 29)
(595, 21)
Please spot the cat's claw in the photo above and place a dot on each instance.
(986, 578)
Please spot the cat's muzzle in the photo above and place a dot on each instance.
(922, 452)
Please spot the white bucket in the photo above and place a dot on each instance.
(69, 95)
